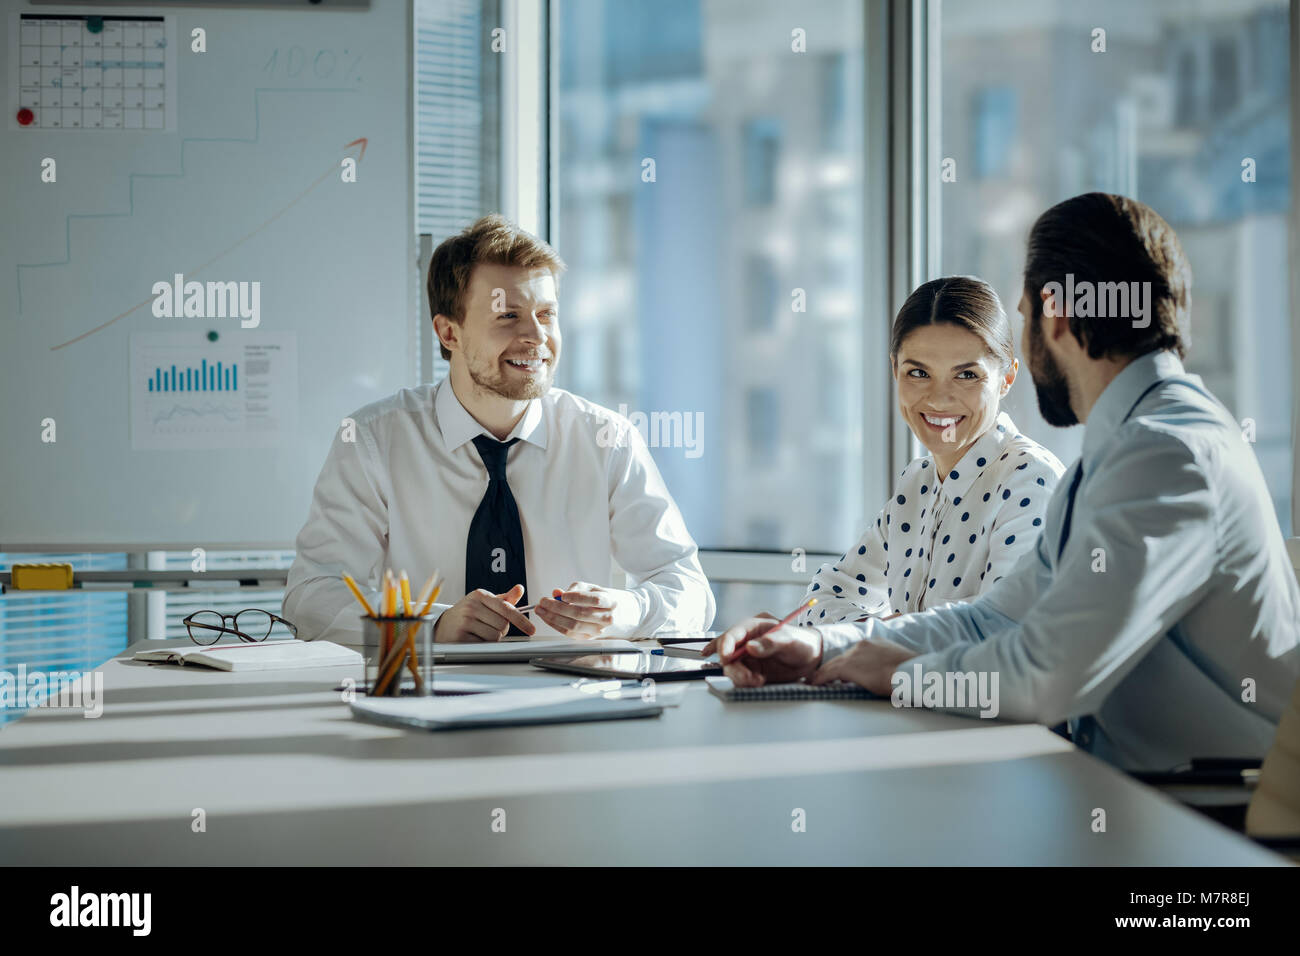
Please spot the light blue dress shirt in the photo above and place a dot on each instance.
(1170, 618)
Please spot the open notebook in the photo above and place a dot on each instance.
(724, 688)
(265, 656)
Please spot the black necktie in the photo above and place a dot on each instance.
(1061, 729)
(1069, 511)
(494, 551)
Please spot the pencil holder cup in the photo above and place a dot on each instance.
(399, 656)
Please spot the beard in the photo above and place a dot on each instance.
(1050, 384)
(491, 377)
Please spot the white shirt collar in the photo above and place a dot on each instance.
(458, 426)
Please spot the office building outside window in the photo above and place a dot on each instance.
(1185, 107)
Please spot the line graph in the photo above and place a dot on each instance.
(130, 211)
(230, 413)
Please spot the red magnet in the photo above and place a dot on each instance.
(25, 117)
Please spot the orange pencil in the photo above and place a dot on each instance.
(425, 591)
(405, 584)
(390, 595)
(779, 624)
(356, 593)
(432, 600)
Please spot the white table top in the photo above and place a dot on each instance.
(284, 775)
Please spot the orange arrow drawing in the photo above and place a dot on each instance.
(221, 255)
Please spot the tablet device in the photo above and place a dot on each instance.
(638, 666)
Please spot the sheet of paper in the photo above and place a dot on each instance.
(238, 392)
(523, 649)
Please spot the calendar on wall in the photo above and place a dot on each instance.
(93, 72)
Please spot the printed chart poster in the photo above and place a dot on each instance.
(238, 392)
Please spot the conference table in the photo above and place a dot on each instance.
(189, 766)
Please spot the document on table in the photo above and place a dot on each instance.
(551, 705)
(516, 651)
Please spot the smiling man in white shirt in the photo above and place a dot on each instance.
(1158, 612)
(518, 492)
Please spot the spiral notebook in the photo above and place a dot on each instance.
(840, 690)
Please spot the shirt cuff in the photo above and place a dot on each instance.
(632, 628)
(840, 638)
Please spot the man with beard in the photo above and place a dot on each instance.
(1158, 612)
(520, 493)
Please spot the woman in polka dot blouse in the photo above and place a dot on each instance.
(962, 515)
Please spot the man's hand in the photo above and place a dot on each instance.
(588, 610)
(482, 616)
(771, 655)
(869, 663)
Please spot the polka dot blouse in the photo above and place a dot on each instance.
(936, 542)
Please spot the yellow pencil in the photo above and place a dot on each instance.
(356, 592)
(432, 598)
(427, 590)
(405, 584)
(389, 637)
(393, 668)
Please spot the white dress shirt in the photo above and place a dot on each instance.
(402, 496)
(1168, 625)
(940, 541)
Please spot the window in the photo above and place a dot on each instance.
(1167, 114)
(763, 421)
(762, 154)
(75, 631)
(456, 118)
(174, 605)
(710, 210)
(761, 287)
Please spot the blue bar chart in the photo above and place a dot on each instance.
(200, 378)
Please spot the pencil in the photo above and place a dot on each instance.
(425, 591)
(356, 593)
(779, 624)
(405, 584)
(432, 598)
(387, 658)
(392, 669)
(389, 634)
(390, 594)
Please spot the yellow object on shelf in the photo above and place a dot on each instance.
(41, 577)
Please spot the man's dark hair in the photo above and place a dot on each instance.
(1101, 238)
(492, 239)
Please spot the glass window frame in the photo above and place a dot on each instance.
(889, 160)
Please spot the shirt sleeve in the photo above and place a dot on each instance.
(957, 623)
(346, 530)
(853, 587)
(649, 540)
(1018, 522)
(1140, 555)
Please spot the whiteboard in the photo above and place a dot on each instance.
(245, 192)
